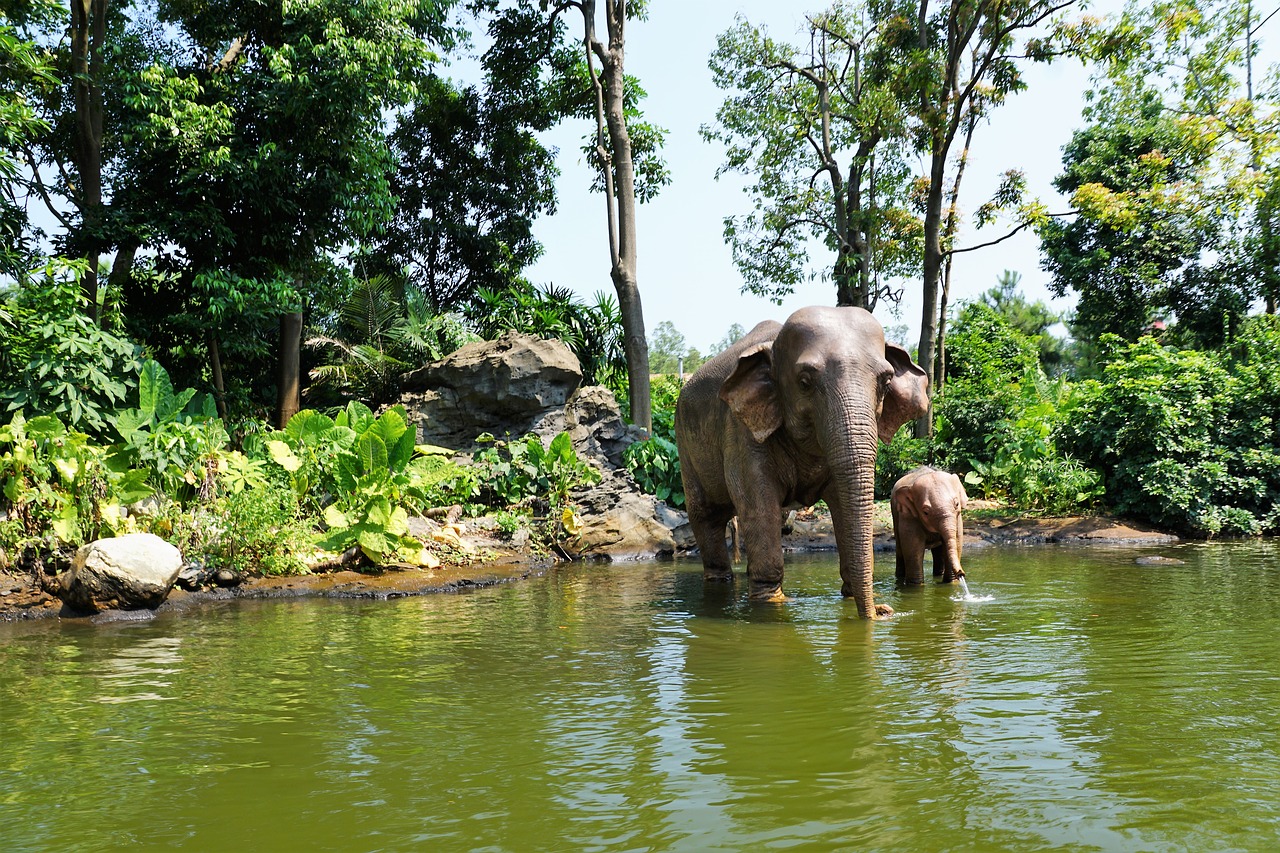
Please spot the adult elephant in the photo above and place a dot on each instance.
(788, 415)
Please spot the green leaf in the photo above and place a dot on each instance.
(45, 426)
(373, 454)
(283, 456)
(334, 517)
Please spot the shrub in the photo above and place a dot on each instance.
(1186, 439)
(363, 474)
(655, 461)
(60, 362)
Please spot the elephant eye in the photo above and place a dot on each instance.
(805, 380)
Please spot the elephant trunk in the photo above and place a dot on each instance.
(853, 464)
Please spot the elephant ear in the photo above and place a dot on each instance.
(964, 496)
(751, 393)
(907, 396)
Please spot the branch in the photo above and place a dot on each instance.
(38, 183)
(229, 58)
(1006, 236)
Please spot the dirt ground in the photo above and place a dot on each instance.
(493, 561)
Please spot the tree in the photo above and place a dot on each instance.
(624, 147)
(471, 178)
(242, 142)
(1032, 319)
(964, 62)
(1180, 155)
(730, 338)
(668, 349)
(24, 68)
(834, 112)
(1133, 176)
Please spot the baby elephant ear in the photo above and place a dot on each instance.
(964, 496)
(751, 393)
(907, 396)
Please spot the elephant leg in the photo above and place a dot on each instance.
(909, 536)
(940, 566)
(763, 543)
(708, 531)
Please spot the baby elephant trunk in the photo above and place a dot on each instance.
(946, 554)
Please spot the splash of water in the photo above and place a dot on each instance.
(965, 595)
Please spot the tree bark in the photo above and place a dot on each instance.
(616, 162)
(88, 33)
(289, 388)
(215, 367)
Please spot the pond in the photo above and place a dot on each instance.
(1093, 704)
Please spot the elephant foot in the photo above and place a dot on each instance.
(767, 592)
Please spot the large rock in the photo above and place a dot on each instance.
(500, 387)
(128, 572)
(620, 522)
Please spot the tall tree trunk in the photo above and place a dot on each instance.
(619, 173)
(289, 383)
(949, 233)
(215, 366)
(932, 273)
(88, 33)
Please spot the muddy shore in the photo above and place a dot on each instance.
(22, 596)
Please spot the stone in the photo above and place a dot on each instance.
(129, 572)
(503, 387)
(192, 576)
(619, 522)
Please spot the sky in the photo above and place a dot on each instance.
(686, 273)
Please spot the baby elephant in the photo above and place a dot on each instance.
(926, 506)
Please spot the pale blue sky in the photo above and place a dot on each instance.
(686, 273)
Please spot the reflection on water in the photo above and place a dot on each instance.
(1091, 704)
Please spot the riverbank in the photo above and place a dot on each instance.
(494, 560)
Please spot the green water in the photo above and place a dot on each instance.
(1092, 705)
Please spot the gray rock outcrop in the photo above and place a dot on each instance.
(520, 384)
(128, 572)
(500, 387)
(620, 522)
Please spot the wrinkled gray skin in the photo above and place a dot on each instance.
(927, 506)
(787, 416)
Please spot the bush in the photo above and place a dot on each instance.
(1186, 439)
(997, 417)
(60, 362)
(655, 462)
(903, 454)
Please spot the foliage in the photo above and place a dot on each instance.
(655, 461)
(471, 178)
(669, 352)
(794, 114)
(593, 332)
(1033, 319)
(903, 454)
(997, 416)
(516, 472)
(24, 68)
(248, 532)
(59, 485)
(60, 361)
(1185, 439)
(363, 475)
(1028, 470)
(176, 437)
(378, 332)
(1133, 176)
